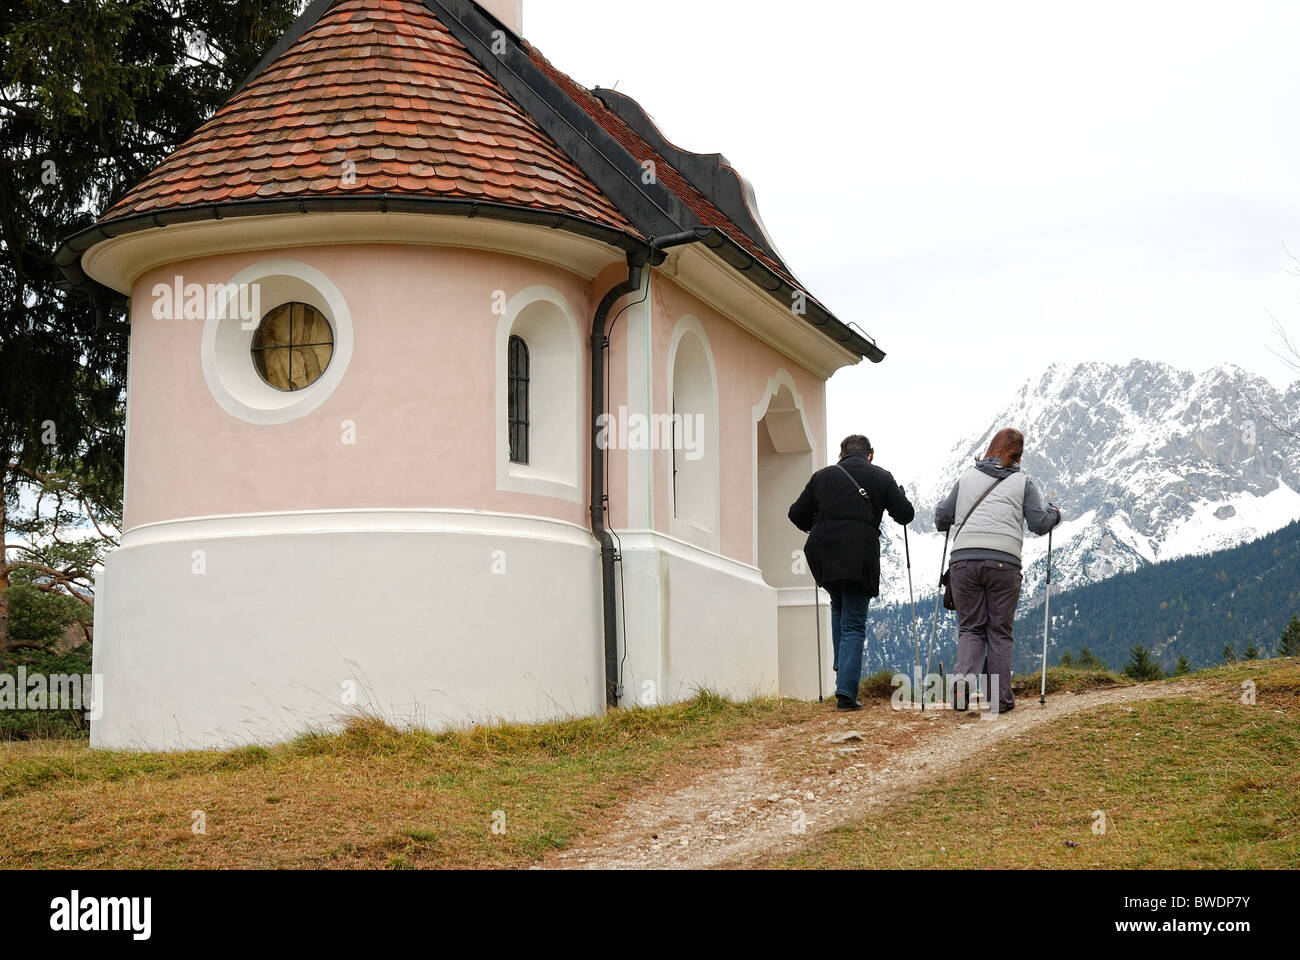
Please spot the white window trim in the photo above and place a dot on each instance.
(524, 478)
(682, 529)
(781, 378)
(227, 341)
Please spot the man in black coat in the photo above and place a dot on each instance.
(840, 510)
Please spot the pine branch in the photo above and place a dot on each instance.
(30, 645)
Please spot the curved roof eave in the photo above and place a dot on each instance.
(68, 255)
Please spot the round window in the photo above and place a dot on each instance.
(292, 346)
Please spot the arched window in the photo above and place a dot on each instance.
(694, 409)
(518, 400)
(539, 393)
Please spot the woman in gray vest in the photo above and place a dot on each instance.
(989, 507)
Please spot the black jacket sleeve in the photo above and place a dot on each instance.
(804, 510)
(896, 502)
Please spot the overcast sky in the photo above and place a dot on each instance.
(989, 187)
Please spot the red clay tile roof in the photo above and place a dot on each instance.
(383, 84)
(669, 176)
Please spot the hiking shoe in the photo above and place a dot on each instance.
(846, 704)
(961, 700)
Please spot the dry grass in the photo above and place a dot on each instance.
(880, 686)
(1183, 783)
(370, 797)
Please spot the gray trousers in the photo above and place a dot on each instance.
(986, 593)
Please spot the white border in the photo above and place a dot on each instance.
(357, 521)
(633, 540)
(258, 402)
(682, 529)
(781, 378)
(520, 478)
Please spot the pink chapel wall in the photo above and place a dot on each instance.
(420, 390)
(744, 366)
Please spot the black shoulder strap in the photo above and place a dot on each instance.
(993, 486)
(861, 490)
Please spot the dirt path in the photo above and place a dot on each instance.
(798, 781)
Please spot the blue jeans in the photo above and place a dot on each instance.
(849, 602)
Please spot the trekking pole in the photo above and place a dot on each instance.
(938, 598)
(817, 612)
(911, 596)
(1047, 620)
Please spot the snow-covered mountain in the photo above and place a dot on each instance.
(1148, 462)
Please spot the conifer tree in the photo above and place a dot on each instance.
(1141, 666)
(96, 93)
(1289, 645)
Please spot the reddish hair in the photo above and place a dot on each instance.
(1008, 446)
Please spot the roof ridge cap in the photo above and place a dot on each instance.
(712, 174)
(651, 207)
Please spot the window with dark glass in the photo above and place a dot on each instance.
(292, 346)
(519, 412)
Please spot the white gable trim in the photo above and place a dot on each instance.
(704, 274)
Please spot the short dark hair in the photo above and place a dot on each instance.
(856, 445)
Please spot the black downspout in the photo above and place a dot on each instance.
(637, 263)
(599, 344)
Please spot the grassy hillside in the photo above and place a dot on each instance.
(1206, 781)
(370, 797)
(1182, 783)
